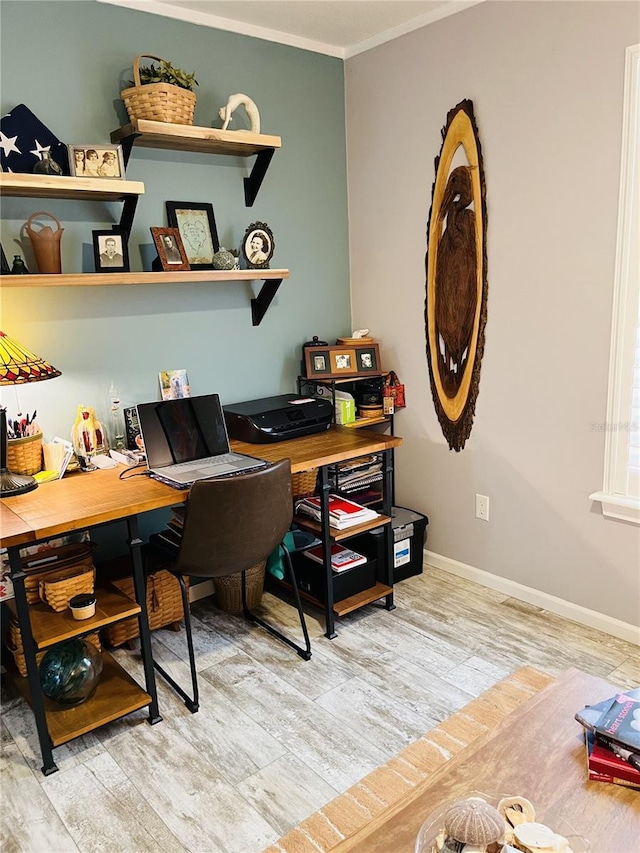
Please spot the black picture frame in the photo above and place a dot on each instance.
(5, 269)
(102, 246)
(196, 223)
(258, 257)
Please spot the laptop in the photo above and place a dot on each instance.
(186, 440)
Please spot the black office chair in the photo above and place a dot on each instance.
(232, 524)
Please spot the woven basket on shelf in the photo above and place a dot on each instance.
(57, 592)
(158, 101)
(164, 606)
(229, 590)
(14, 645)
(303, 484)
(24, 455)
(65, 561)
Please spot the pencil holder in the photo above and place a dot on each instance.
(24, 455)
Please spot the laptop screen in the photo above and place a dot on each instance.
(182, 430)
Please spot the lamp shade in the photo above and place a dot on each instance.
(18, 365)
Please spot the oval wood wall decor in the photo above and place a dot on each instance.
(456, 267)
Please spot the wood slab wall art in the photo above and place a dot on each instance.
(456, 267)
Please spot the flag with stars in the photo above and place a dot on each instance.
(23, 138)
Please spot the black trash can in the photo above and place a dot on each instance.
(409, 537)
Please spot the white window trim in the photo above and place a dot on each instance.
(615, 498)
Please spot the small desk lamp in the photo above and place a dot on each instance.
(17, 365)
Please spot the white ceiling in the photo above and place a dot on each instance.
(339, 28)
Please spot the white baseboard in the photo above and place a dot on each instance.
(575, 612)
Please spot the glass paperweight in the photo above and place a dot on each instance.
(461, 816)
(70, 673)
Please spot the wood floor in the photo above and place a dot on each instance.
(277, 737)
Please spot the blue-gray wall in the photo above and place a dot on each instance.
(67, 61)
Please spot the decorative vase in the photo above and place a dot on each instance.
(19, 267)
(70, 673)
(46, 244)
(224, 260)
(46, 165)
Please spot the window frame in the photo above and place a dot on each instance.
(616, 496)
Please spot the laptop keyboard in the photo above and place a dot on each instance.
(209, 462)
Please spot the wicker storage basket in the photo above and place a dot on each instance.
(158, 101)
(14, 645)
(24, 455)
(229, 590)
(303, 484)
(67, 562)
(58, 591)
(164, 606)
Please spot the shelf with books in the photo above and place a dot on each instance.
(307, 523)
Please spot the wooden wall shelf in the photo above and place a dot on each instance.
(63, 186)
(118, 278)
(202, 140)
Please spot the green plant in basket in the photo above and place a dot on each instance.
(166, 73)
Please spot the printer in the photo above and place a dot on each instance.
(277, 418)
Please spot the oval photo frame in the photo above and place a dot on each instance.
(258, 245)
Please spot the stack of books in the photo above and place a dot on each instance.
(341, 558)
(612, 736)
(343, 513)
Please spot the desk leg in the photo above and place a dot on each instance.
(37, 703)
(140, 587)
(387, 504)
(330, 632)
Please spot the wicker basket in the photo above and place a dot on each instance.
(24, 455)
(64, 562)
(164, 606)
(229, 590)
(158, 101)
(14, 645)
(303, 484)
(58, 591)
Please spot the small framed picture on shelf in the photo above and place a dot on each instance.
(339, 362)
(368, 359)
(96, 161)
(197, 226)
(110, 252)
(5, 269)
(170, 249)
(258, 245)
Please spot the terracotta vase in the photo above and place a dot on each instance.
(46, 244)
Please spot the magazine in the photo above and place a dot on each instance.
(341, 558)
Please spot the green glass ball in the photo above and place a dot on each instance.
(70, 673)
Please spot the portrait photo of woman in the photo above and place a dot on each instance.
(257, 246)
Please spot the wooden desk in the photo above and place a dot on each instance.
(537, 752)
(84, 500)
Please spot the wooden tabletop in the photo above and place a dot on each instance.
(537, 752)
(82, 499)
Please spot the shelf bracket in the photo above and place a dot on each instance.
(253, 183)
(127, 143)
(260, 304)
(128, 213)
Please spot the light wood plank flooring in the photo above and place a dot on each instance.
(277, 737)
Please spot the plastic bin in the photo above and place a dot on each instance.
(409, 537)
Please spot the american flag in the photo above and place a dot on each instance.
(23, 138)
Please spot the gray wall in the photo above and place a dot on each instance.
(67, 61)
(546, 80)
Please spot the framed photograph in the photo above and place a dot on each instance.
(170, 249)
(258, 245)
(174, 384)
(197, 226)
(339, 362)
(368, 359)
(110, 252)
(5, 269)
(96, 161)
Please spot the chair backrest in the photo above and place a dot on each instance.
(233, 523)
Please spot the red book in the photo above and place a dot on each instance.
(342, 511)
(606, 766)
(341, 558)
